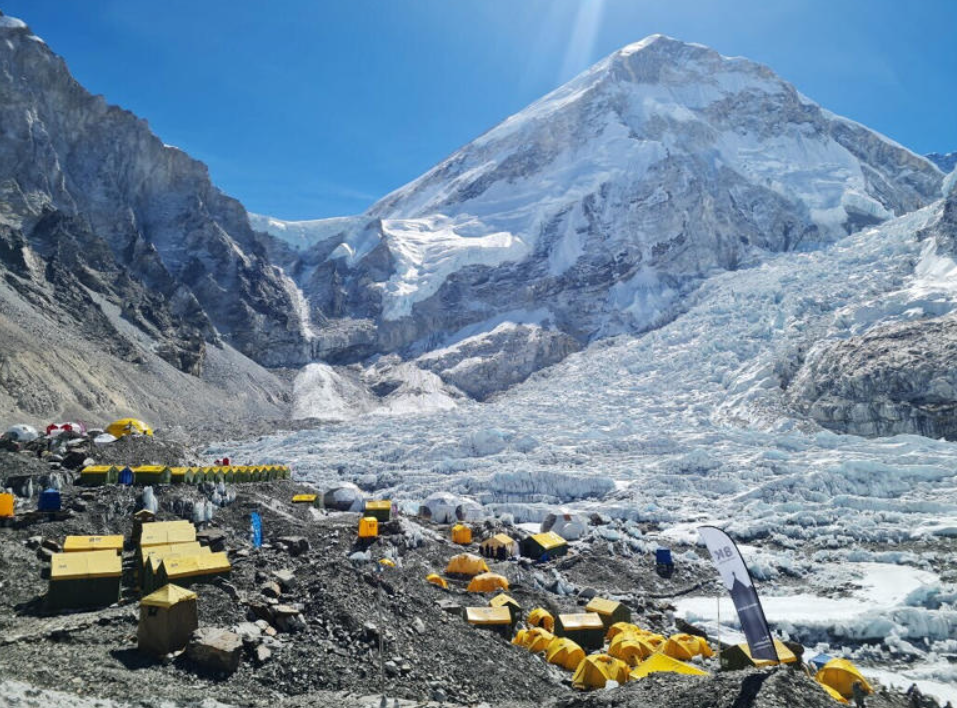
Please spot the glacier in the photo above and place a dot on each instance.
(691, 423)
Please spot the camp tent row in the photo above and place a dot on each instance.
(160, 474)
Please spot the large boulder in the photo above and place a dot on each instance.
(344, 497)
(216, 649)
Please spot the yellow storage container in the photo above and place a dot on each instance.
(74, 544)
(6, 505)
(368, 527)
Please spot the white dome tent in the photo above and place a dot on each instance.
(440, 507)
(571, 527)
(22, 433)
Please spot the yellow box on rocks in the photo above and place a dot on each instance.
(75, 544)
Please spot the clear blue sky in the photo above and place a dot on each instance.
(313, 108)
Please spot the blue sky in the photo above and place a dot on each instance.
(314, 108)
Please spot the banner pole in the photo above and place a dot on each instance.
(718, 636)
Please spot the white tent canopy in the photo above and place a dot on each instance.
(440, 507)
(22, 432)
(569, 526)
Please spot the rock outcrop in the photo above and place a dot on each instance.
(100, 199)
(896, 378)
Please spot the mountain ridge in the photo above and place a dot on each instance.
(594, 212)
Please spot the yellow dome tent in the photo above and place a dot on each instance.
(488, 582)
(686, 646)
(540, 617)
(597, 669)
(630, 649)
(466, 564)
(841, 675)
(565, 653)
(739, 657)
(437, 580)
(661, 663)
(622, 627)
(538, 639)
(461, 534)
(128, 426)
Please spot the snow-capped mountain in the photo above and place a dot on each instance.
(945, 161)
(597, 210)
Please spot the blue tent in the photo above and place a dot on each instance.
(125, 476)
(49, 500)
(663, 557)
(817, 662)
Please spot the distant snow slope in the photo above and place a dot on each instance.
(945, 161)
(604, 204)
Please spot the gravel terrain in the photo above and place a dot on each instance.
(327, 653)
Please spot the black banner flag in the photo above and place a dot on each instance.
(737, 579)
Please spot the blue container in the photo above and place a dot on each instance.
(256, 529)
(49, 500)
(125, 476)
(663, 556)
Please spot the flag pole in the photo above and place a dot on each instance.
(718, 634)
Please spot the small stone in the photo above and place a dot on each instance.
(271, 590)
(262, 654)
(51, 544)
(286, 579)
(294, 545)
(34, 542)
(418, 625)
(214, 538)
(438, 695)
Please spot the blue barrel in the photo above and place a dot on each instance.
(49, 500)
(125, 476)
(663, 556)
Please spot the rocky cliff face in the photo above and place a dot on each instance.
(897, 377)
(99, 198)
(597, 209)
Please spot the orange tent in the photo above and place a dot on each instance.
(540, 617)
(488, 582)
(597, 669)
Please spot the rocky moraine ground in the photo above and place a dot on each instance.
(310, 611)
